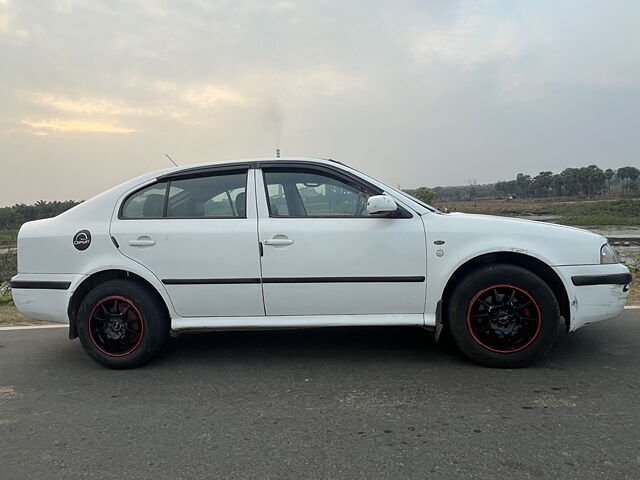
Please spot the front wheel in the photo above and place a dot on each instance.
(121, 324)
(503, 315)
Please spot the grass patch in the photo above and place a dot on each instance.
(8, 258)
(599, 212)
(8, 237)
(633, 263)
(571, 211)
(6, 299)
(8, 265)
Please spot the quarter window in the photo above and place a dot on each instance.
(147, 203)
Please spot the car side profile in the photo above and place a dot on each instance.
(297, 243)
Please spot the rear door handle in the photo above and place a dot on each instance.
(279, 241)
(142, 242)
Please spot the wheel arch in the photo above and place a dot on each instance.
(96, 279)
(533, 264)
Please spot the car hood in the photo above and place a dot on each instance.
(556, 244)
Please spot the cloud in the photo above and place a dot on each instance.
(191, 105)
(74, 126)
(205, 96)
(8, 21)
(200, 104)
(285, 5)
(466, 41)
(92, 106)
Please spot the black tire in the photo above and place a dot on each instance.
(503, 316)
(121, 324)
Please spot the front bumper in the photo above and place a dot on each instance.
(596, 292)
(44, 296)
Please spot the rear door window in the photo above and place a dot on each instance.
(216, 195)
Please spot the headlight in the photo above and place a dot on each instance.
(607, 255)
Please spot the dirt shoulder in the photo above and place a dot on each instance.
(10, 317)
(634, 296)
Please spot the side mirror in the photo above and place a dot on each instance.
(378, 204)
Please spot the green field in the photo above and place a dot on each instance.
(582, 212)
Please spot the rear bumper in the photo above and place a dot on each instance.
(44, 297)
(596, 292)
(602, 279)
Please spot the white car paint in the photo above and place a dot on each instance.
(429, 244)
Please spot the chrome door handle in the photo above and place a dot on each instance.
(142, 242)
(279, 241)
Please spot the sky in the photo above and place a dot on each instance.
(414, 93)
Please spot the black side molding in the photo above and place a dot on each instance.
(610, 279)
(403, 279)
(41, 285)
(230, 281)
(208, 281)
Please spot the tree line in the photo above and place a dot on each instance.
(591, 180)
(16, 215)
(587, 181)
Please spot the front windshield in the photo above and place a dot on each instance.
(399, 192)
(420, 202)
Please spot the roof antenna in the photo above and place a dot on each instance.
(171, 159)
(277, 153)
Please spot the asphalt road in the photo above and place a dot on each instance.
(332, 403)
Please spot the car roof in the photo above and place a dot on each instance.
(244, 161)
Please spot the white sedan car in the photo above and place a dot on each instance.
(296, 243)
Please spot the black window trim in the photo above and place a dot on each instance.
(337, 173)
(403, 211)
(196, 172)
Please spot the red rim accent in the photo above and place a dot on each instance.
(140, 320)
(535, 304)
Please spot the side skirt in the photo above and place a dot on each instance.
(184, 324)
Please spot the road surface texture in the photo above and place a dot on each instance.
(330, 403)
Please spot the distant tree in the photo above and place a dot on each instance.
(541, 184)
(627, 176)
(506, 188)
(571, 181)
(424, 194)
(557, 184)
(592, 179)
(501, 188)
(608, 175)
(634, 173)
(523, 182)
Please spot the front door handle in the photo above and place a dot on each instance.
(279, 240)
(143, 241)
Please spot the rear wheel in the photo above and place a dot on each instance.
(503, 316)
(121, 324)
